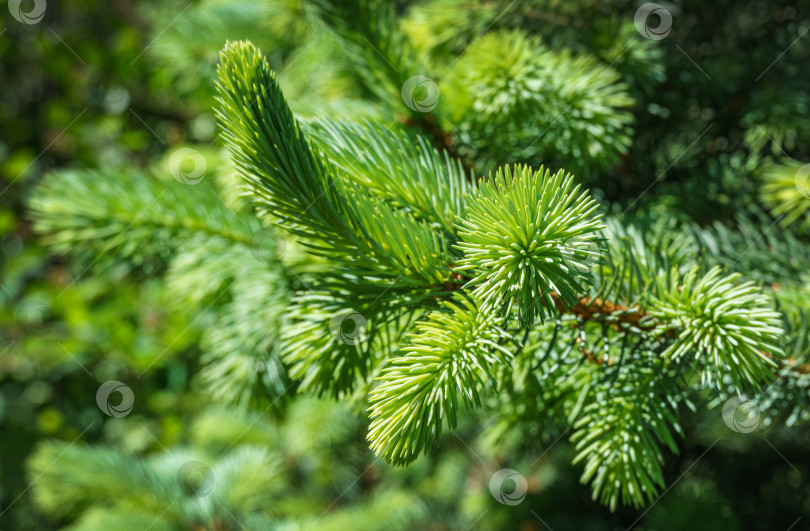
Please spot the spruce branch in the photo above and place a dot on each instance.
(382, 159)
(728, 326)
(528, 234)
(132, 217)
(241, 364)
(328, 341)
(621, 431)
(449, 356)
(386, 58)
(336, 218)
(269, 149)
(566, 110)
(209, 252)
(636, 254)
(775, 258)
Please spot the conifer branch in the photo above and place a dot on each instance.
(448, 358)
(525, 235)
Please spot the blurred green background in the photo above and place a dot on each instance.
(120, 85)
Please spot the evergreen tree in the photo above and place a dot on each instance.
(437, 246)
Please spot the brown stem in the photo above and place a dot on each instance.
(586, 308)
